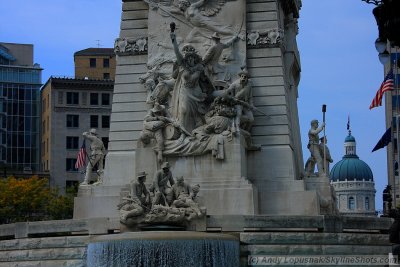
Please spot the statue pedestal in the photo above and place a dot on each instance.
(325, 192)
(224, 188)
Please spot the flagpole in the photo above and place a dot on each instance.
(323, 119)
(397, 130)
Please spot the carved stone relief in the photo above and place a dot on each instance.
(130, 46)
(266, 38)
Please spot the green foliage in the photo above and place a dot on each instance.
(32, 200)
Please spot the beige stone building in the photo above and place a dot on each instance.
(95, 63)
(70, 107)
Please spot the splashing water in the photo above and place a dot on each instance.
(163, 253)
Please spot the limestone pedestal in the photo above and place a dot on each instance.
(325, 192)
(94, 201)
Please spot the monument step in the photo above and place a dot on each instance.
(317, 249)
(43, 254)
(314, 238)
(44, 263)
(48, 242)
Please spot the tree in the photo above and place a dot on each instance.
(32, 200)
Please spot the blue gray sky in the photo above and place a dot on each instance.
(340, 67)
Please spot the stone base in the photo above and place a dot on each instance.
(326, 194)
(96, 201)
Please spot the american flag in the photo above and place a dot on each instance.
(386, 85)
(81, 159)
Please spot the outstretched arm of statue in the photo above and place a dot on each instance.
(178, 54)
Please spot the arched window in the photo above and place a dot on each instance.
(367, 203)
(352, 203)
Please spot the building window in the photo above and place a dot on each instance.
(105, 141)
(105, 121)
(60, 98)
(72, 98)
(367, 203)
(105, 99)
(72, 121)
(106, 63)
(352, 203)
(106, 76)
(70, 165)
(94, 99)
(72, 142)
(94, 121)
(93, 63)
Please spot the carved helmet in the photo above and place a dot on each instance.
(141, 174)
(165, 165)
(93, 131)
(216, 36)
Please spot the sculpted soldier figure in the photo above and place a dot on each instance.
(241, 91)
(97, 151)
(162, 191)
(184, 197)
(139, 190)
(138, 202)
(154, 122)
(211, 58)
(313, 145)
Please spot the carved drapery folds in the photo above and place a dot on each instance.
(130, 46)
(265, 38)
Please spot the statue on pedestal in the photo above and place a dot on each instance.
(97, 152)
(314, 147)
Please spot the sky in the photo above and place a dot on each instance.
(339, 63)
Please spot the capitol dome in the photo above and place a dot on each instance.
(351, 167)
(353, 182)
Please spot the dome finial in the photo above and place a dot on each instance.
(348, 124)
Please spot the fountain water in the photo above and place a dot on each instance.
(163, 249)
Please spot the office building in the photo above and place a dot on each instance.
(20, 82)
(95, 63)
(70, 107)
(392, 113)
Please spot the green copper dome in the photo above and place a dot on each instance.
(349, 138)
(351, 167)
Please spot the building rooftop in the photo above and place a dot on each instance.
(73, 83)
(95, 52)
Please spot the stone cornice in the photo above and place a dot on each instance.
(291, 6)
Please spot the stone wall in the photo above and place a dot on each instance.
(64, 242)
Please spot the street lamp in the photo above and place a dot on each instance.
(387, 16)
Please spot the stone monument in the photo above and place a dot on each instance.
(211, 88)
